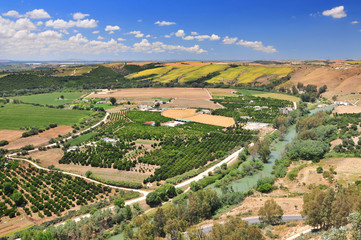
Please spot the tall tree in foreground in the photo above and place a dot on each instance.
(271, 212)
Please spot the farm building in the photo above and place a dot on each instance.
(73, 148)
(172, 124)
(110, 140)
(255, 125)
(204, 111)
(183, 120)
(286, 110)
(144, 107)
(245, 117)
(151, 123)
(341, 103)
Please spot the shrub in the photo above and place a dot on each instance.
(319, 170)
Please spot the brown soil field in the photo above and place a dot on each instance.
(52, 157)
(221, 91)
(191, 114)
(41, 139)
(191, 103)
(10, 135)
(347, 109)
(213, 120)
(193, 93)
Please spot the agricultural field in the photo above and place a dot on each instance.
(40, 193)
(202, 72)
(151, 73)
(177, 74)
(51, 98)
(12, 116)
(190, 114)
(246, 74)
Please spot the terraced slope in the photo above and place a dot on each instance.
(202, 72)
(154, 73)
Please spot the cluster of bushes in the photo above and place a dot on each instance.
(35, 131)
(162, 194)
(3, 143)
(265, 185)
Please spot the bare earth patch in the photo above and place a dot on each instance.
(41, 139)
(193, 93)
(347, 109)
(10, 135)
(190, 114)
(191, 103)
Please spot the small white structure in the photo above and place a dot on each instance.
(204, 111)
(73, 148)
(245, 117)
(172, 124)
(144, 107)
(341, 103)
(258, 108)
(110, 140)
(149, 185)
(286, 110)
(255, 125)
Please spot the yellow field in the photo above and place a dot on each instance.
(203, 71)
(160, 71)
(246, 74)
(73, 71)
(177, 73)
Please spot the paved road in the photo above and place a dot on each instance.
(253, 220)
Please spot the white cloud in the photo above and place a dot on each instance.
(95, 32)
(62, 24)
(39, 23)
(121, 39)
(137, 34)
(148, 36)
(188, 38)
(12, 13)
(164, 23)
(79, 15)
(75, 31)
(100, 38)
(140, 20)
(111, 29)
(194, 33)
(180, 33)
(146, 46)
(38, 14)
(168, 36)
(86, 23)
(214, 37)
(336, 12)
(257, 45)
(228, 40)
(50, 34)
(355, 22)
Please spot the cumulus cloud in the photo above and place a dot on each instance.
(354, 22)
(137, 34)
(34, 14)
(188, 38)
(228, 40)
(336, 12)
(121, 39)
(79, 15)
(100, 38)
(164, 23)
(194, 33)
(38, 14)
(146, 46)
(95, 32)
(111, 29)
(257, 45)
(12, 13)
(62, 24)
(180, 33)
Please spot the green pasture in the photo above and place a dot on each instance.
(51, 98)
(15, 116)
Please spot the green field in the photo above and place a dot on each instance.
(51, 98)
(203, 71)
(15, 116)
(280, 96)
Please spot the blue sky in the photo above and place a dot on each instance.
(179, 30)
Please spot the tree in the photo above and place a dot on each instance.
(113, 100)
(264, 150)
(294, 90)
(18, 198)
(8, 188)
(88, 173)
(271, 212)
(153, 199)
(119, 202)
(128, 212)
(159, 223)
